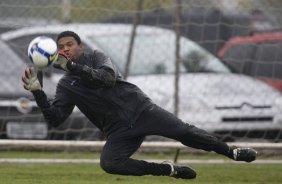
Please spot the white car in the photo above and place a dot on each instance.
(211, 96)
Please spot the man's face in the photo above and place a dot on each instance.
(70, 47)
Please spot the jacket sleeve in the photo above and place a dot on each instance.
(103, 75)
(56, 111)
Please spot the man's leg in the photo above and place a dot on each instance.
(121, 144)
(157, 121)
(115, 159)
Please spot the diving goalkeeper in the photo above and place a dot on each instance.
(119, 109)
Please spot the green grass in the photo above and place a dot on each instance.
(92, 173)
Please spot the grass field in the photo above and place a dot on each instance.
(92, 173)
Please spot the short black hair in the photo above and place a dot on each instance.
(69, 34)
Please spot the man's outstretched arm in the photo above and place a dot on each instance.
(55, 111)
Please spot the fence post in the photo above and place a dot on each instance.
(177, 63)
(66, 11)
(132, 38)
(177, 56)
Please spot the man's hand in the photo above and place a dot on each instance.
(62, 62)
(30, 80)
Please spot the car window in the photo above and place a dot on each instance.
(256, 59)
(268, 59)
(155, 54)
(146, 58)
(240, 57)
(198, 60)
(10, 72)
(8, 61)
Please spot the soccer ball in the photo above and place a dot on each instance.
(42, 51)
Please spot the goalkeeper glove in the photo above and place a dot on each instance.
(62, 62)
(32, 81)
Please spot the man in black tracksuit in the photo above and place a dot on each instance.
(119, 109)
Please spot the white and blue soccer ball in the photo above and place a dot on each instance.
(42, 51)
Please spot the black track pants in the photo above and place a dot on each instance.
(122, 143)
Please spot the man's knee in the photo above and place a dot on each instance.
(110, 166)
(107, 166)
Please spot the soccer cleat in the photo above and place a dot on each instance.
(181, 172)
(244, 154)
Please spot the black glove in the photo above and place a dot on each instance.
(32, 81)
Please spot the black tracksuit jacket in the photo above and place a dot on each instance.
(96, 87)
